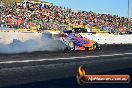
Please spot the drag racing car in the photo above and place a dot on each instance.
(75, 41)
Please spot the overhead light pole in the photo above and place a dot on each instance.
(128, 13)
(128, 9)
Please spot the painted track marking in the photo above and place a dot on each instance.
(70, 58)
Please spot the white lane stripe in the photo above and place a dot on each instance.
(70, 58)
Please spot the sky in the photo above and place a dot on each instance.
(114, 7)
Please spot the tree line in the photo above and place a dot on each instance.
(13, 1)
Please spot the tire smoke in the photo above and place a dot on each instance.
(46, 43)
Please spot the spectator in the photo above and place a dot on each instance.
(58, 18)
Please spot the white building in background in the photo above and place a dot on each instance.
(24, 3)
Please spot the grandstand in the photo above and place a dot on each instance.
(36, 15)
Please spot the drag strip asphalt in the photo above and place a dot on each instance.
(23, 63)
(26, 69)
(105, 50)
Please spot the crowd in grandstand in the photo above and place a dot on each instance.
(58, 18)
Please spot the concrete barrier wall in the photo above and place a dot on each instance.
(109, 39)
(7, 37)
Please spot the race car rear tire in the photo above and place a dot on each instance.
(71, 46)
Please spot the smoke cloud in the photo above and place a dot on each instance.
(46, 43)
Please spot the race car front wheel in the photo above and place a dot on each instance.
(96, 46)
